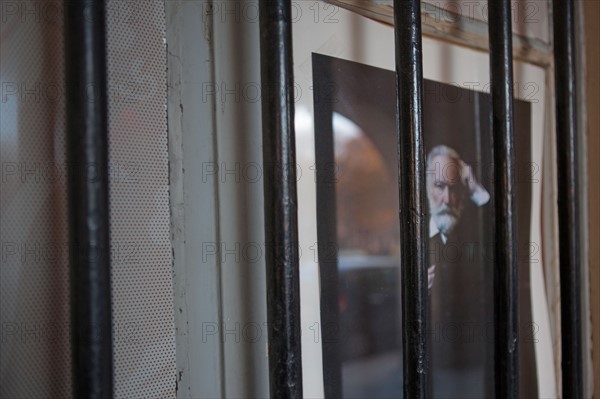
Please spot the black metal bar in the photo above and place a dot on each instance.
(87, 150)
(505, 270)
(281, 219)
(411, 171)
(568, 198)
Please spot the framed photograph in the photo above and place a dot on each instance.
(346, 134)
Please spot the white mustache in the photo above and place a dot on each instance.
(446, 211)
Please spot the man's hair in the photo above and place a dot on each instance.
(441, 150)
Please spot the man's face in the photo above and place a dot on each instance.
(445, 192)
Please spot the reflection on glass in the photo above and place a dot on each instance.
(368, 261)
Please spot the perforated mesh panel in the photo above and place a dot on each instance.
(144, 338)
(34, 280)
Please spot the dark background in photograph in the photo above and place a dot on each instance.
(358, 233)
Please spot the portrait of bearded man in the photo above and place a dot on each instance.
(457, 311)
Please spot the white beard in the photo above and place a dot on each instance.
(445, 222)
(445, 218)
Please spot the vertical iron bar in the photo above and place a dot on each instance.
(411, 171)
(87, 150)
(568, 199)
(505, 270)
(281, 219)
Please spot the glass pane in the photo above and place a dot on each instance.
(359, 240)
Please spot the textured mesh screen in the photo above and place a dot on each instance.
(144, 343)
(34, 281)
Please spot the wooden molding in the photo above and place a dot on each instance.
(455, 29)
